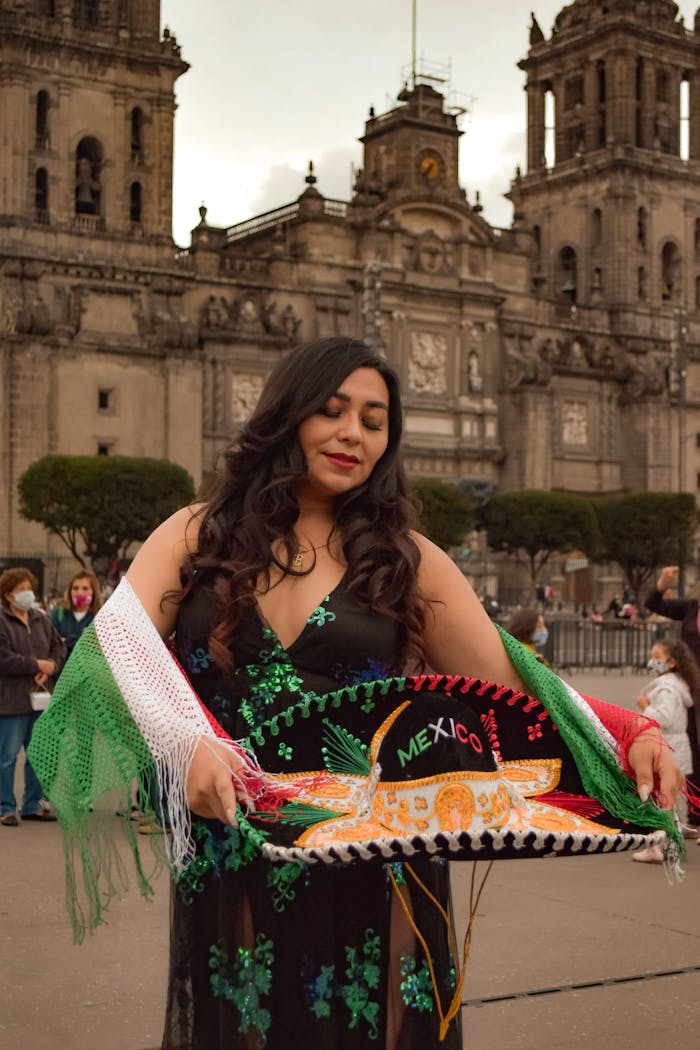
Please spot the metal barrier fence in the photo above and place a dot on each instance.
(612, 644)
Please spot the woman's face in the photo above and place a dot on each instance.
(345, 439)
(24, 588)
(81, 593)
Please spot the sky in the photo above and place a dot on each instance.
(276, 83)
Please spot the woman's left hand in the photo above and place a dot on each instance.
(655, 770)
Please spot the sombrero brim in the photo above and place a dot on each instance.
(465, 846)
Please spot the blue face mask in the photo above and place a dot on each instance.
(540, 637)
(657, 666)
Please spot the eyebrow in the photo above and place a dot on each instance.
(367, 404)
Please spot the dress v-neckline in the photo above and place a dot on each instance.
(266, 623)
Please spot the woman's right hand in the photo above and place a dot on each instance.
(47, 667)
(211, 790)
(667, 577)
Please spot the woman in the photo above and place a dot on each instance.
(31, 652)
(528, 626)
(300, 574)
(77, 611)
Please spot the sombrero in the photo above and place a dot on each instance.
(433, 782)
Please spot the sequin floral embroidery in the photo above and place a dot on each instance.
(244, 981)
(230, 850)
(416, 986)
(321, 616)
(280, 881)
(362, 978)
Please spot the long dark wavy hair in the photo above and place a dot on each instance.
(247, 523)
(686, 666)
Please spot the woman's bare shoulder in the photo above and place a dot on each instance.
(156, 568)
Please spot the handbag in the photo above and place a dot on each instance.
(39, 699)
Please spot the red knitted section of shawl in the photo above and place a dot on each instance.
(582, 805)
(625, 726)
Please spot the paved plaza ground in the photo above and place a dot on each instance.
(594, 952)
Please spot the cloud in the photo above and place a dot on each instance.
(285, 182)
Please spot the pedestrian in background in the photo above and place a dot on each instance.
(673, 692)
(528, 626)
(31, 653)
(687, 611)
(82, 601)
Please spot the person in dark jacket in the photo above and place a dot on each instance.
(83, 600)
(687, 610)
(31, 652)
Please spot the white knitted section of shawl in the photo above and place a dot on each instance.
(604, 734)
(161, 702)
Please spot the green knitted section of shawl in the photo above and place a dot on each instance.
(86, 746)
(600, 774)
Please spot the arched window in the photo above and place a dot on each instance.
(43, 104)
(87, 13)
(537, 242)
(88, 176)
(137, 123)
(670, 271)
(135, 206)
(568, 266)
(549, 126)
(641, 283)
(596, 228)
(697, 293)
(602, 104)
(48, 8)
(41, 195)
(642, 228)
(639, 97)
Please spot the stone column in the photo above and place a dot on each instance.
(535, 126)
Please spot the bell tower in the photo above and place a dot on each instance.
(86, 117)
(613, 159)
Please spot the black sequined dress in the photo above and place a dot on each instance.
(288, 956)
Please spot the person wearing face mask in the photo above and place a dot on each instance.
(528, 626)
(82, 601)
(667, 699)
(31, 653)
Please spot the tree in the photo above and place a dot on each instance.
(532, 525)
(99, 505)
(642, 531)
(446, 513)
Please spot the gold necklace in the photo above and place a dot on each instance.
(298, 559)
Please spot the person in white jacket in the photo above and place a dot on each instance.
(668, 699)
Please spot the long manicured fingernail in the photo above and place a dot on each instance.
(644, 792)
(231, 817)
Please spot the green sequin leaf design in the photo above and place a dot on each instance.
(416, 986)
(343, 752)
(362, 974)
(280, 881)
(321, 992)
(243, 981)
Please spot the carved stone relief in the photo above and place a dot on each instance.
(427, 363)
(245, 392)
(429, 253)
(574, 423)
(248, 314)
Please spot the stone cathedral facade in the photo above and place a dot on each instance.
(563, 352)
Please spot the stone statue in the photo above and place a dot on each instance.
(87, 188)
(536, 34)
